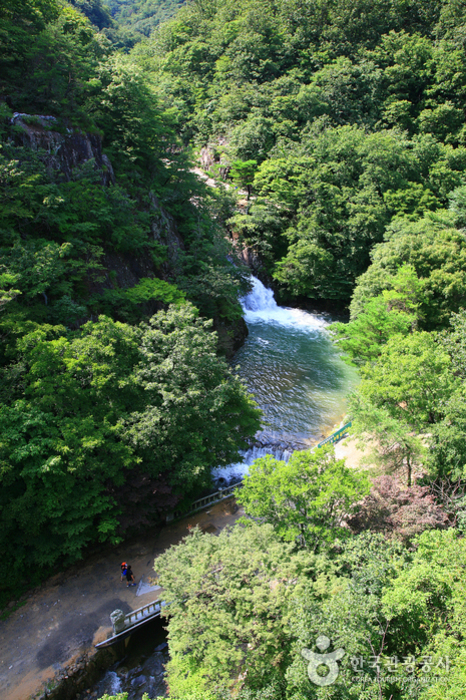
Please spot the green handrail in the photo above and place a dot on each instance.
(337, 435)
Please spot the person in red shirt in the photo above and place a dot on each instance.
(124, 567)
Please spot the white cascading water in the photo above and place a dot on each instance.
(260, 307)
(110, 683)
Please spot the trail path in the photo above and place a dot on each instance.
(70, 612)
(347, 449)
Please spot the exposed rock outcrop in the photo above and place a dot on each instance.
(214, 156)
(62, 150)
(206, 158)
(231, 336)
(164, 231)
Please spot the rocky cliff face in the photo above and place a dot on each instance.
(61, 151)
(164, 231)
(213, 155)
(231, 336)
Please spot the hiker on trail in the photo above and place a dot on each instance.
(129, 577)
(124, 567)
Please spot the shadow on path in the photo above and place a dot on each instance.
(61, 621)
(76, 632)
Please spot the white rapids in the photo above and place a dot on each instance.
(283, 350)
(260, 306)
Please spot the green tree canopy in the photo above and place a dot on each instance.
(196, 414)
(245, 606)
(307, 500)
(436, 250)
(81, 409)
(412, 379)
(392, 312)
(230, 594)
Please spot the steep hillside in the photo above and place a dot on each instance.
(340, 129)
(134, 20)
(338, 117)
(114, 402)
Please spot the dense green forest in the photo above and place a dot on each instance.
(136, 19)
(349, 116)
(340, 129)
(115, 399)
(336, 133)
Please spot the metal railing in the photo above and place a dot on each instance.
(124, 627)
(228, 491)
(215, 497)
(136, 616)
(205, 501)
(336, 436)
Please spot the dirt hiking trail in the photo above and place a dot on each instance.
(63, 619)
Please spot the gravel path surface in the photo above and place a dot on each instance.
(64, 618)
(355, 458)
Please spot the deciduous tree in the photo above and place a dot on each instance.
(307, 500)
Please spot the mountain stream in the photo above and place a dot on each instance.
(295, 374)
(297, 377)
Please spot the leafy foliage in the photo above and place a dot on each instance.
(401, 396)
(136, 20)
(354, 118)
(100, 212)
(126, 303)
(245, 605)
(196, 414)
(412, 379)
(86, 407)
(307, 500)
(95, 11)
(335, 186)
(397, 510)
(434, 248)
(252, 578)
(391, 313)
(448, 457)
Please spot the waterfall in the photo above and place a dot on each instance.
(259, 298)
(224, 476)
(259, 307)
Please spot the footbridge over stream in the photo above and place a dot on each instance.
(124, 625)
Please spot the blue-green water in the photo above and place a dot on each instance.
(290, 365)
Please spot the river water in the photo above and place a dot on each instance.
(298, 379)
(141, 670)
